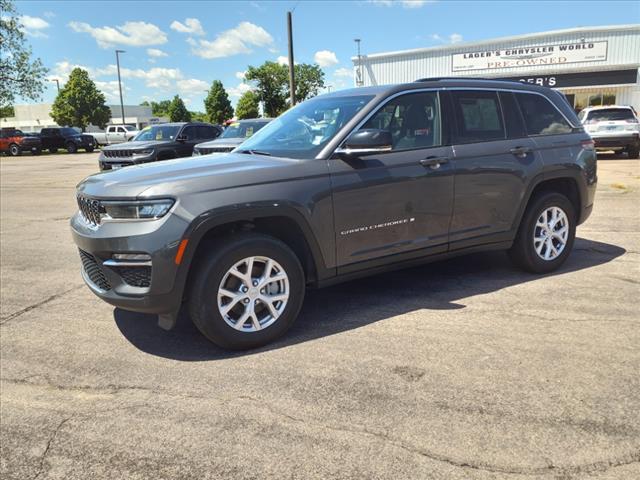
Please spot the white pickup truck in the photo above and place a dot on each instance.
(114, 134)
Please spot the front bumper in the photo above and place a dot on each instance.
(112, 282)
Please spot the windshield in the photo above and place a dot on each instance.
(610, 114)
(69, 131)
(242, 129)
(304, 130)
(158, 132)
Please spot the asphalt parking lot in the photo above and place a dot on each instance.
(462, 369)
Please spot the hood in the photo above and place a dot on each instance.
(135, 145)
(222, 142)
(187, 175)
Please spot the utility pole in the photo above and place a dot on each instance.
(120, 82)
(359, 81)
(292, 79)
(57, 83)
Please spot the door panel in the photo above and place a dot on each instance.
(491, 170)
(387, 203)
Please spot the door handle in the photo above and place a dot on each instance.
(521, 152)
(433, 162)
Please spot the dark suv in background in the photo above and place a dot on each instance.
(67, 138)
(158, 142)
(347, 184)
(233, 135)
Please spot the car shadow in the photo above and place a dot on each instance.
(437, 286)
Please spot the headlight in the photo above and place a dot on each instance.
(132, 210)
(142, 153)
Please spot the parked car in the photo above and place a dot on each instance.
(233, 135)
(68, 138)
(343, 185)
(613, 128)
(114, 134)
(158, 142)
(14, 142)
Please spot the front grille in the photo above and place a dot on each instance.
(93, 270)
(117, 153)
(90, 209)
(208, 150)
(136, 276)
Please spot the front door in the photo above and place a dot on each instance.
(398, 201)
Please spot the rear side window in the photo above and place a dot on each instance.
(478, 116)
(540, 116)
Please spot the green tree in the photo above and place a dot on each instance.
(309, 81)
(20, 75)
(7, 111)
(271, 83)
(248, 105)
(177, 111)
(217, 103)
(158, 109)
(80, 103)
(199, 116)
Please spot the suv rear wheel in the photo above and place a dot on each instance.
(247, 292)
(546, 234)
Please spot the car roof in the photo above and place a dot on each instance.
(603, 107)
(438, 82)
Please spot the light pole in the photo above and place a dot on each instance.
(57, 83)
(359, 81)
(120, 82)
(292, 80)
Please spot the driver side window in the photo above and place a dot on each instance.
(412, 119)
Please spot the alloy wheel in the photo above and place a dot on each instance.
(551, 233)
(253, 294)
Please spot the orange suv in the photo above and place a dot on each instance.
(14, 142)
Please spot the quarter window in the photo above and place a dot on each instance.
(478, 116)
(413, 121)
(540, 116)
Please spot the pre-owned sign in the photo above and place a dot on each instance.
(557, 54)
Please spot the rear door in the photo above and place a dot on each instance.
(494, 158)
(185, 148)
(398, 201)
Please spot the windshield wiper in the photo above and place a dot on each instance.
(255, 152)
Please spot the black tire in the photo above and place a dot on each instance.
(72, 147)
(634, 151)
(210, 272)
(523, 252)
(37, 151)
(53, 150)
(14, 150)
(89, 149)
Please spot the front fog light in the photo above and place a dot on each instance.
(137, 257)
(144, 210)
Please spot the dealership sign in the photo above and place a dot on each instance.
(557, 54)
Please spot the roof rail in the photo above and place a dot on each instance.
(438, 79)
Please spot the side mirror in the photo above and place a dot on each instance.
(367, 141)
(181, 138)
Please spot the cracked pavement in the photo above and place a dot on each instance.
(461, 369)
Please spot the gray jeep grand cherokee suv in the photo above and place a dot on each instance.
(346, 184)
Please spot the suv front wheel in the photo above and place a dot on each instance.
(546, 234)
(247, 291)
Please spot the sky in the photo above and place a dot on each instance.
(182, 46)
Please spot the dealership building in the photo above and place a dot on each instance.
(590, 65)
(34, 117)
